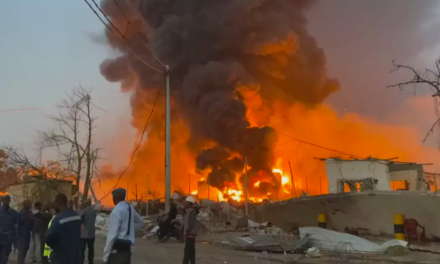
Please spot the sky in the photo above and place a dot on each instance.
(47, 48)
(47, 52)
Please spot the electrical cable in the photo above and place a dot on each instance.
(120, 33)
(137, 147)
(137, 33)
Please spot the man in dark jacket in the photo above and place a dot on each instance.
(8, 229)
(25, 226)
(88, 218)
(64, 234)
(172, 214)
(36, 250)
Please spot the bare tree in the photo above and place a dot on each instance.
(47, 174)
(73, 136)
(8, 174)
(18, 159)
(426, 78)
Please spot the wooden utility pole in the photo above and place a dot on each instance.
(293, 182)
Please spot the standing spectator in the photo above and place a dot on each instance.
(36, 250)
(124, 222)
(25, 226)
(64, 234)
(48, 216)
(191, 228)
(88, 218)
(71, 205)
(8, 229)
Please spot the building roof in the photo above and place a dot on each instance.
(39, 178)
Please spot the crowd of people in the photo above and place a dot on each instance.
(48, 233)
(59, 234)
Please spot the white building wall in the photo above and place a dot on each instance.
(338, 170)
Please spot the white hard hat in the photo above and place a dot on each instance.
(190, 199)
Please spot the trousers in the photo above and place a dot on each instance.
(23, 248)
(88, 243)
(36, 250)
(119, 258)
(189, 253)
(5, 251)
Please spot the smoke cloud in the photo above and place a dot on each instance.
(229, 60)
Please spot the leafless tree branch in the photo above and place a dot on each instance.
(428, 77)
(73, 136)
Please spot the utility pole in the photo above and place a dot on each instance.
(41, 156)
(293, 182)
(189, 183)
(246, 185)
(148, 192)
(128, 183)
(167, 142)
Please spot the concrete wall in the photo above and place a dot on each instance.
(43, 192)
(373, 211)
(338, 170)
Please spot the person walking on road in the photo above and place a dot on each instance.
(8, 229)
(36, 250)
(64, 234)
(88, 218)
(124, 222)
(190, 227)
(25, 227)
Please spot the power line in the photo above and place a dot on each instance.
(120, 33)
(20, 110)
(137, 147)
(137, 33)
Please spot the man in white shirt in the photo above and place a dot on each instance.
(124, 222)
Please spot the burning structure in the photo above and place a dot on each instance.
(374, 175)
(242, 73)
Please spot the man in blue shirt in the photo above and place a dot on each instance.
(25, 226)
(124, 222)
(8, 229)
(64, 234)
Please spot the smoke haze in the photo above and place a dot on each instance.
(243, 70)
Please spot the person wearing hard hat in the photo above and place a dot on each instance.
(191, 228)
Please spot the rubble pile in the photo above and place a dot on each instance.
(268, 228)
(102, 220)
(101, 224)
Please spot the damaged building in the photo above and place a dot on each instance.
(374, 175)
(363, 195)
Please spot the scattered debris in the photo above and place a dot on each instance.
(313, 252)
(329, 240)
(264, 243)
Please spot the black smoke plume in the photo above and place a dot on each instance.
(215, 48)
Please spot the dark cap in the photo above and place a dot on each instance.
(119, 192)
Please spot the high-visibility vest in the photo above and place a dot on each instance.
(47, 249)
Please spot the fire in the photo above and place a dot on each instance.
(194, 192)
(285, 180)
(3, 193)
(349, 133)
